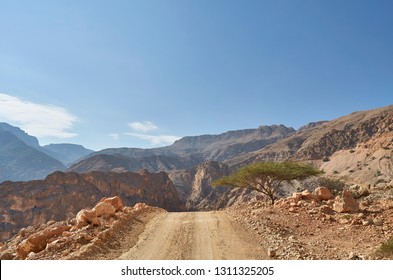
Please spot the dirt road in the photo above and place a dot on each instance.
(194, 236)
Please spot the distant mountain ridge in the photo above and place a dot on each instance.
(188, 151)
(22, 135)
(67, 153)
(19, 161)
(22, 158)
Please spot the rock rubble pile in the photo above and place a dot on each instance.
(90, 235)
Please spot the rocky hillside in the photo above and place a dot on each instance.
(355, 147)
(319, 140)
(61, 195)
(369, 163)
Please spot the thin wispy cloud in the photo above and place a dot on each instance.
(40, 120)
(143, 127)
(115, 136)
(150, 132)
(155, 140)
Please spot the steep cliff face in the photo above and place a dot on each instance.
(202, 192)
(196, 191)
(61, 195)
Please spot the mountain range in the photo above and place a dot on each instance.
(360, 139)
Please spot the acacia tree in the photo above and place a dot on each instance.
(266, 177)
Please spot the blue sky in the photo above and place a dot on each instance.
(144, 73)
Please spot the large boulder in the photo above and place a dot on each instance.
(114, 201)
(346, 203)
(104, 209)
(85, 217)
(323, 193)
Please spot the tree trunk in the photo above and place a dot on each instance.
(272, 198)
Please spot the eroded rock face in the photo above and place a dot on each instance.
(198, 194)
(61, 195)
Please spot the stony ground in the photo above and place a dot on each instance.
(304, 231)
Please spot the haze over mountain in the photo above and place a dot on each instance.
(66, 153)
(22, 158)
(19, 161)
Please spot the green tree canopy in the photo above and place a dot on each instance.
(266, 177)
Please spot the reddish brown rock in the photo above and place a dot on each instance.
(326, 210)
(323, 193)
(346, 204)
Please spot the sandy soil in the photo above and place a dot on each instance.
(194, 236)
